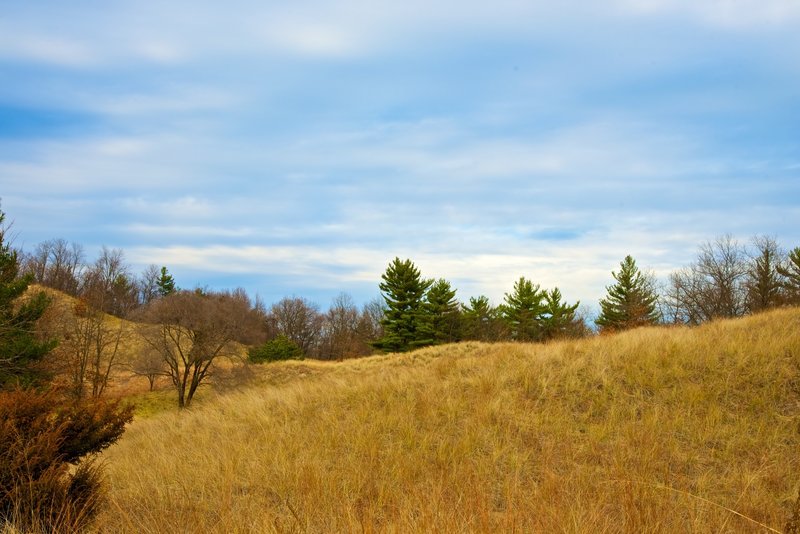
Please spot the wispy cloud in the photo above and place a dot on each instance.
(306, 144)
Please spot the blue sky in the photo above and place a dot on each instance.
(296, 148)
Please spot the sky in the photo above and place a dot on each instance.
(296, 148)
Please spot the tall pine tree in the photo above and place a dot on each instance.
(763, 284)
(523, 310)
(403, 289)
(558, 319)
(442, 313)
(482, 321)
(165, 283)
(631, 302)
(20, 348)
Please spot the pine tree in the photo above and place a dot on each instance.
(442, 313)
(482, 321)
(403, 289)
(790, 274)
(165, 283)
(523, 310)
(19, 347)
(763, 279)
(558, 319)
(631, 302)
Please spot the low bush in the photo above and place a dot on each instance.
(280, 348)
(49, 481)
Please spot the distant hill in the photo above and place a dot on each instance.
(59, 323)
(651, 430)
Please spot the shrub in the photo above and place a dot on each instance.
(47, 483)
(280, 348)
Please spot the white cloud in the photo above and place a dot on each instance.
(164, 34)
(160, 51)
(730, 14)
(313, 40)
(161, 100)
(172, 231)
(52, 49)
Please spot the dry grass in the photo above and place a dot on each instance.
(653, 430)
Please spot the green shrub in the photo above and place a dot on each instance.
(46, 484)
(280, 348)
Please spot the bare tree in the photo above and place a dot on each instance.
(299, 320)
(251, 329)
(148, 284)
(56, 264)
(370, 322)
(90, 342)
(713, 286)
(108, 284)
(150, 364)
(191, 330)
(340, 337)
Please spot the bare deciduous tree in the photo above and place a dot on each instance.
(56, 264)
(711, 287)
(108, 284)
(191, 330)
(90, 343)
(150, 364)
(339, 337)
(148, 284)
(370, 322)
(299, 320)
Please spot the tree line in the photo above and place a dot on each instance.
(728, 279)
(184, 331)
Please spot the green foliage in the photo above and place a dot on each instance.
(523, 309)
(534, 314)
(763, 279)
(481, 321)
(790, 276)
(46, 484)
(403, 289)
(631, 302)
(19, 347)
(280, 348)
(165, 283)
(558, 319)
(442, 313)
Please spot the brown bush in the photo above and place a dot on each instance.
(48, 480)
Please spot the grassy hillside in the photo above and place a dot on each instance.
(654, 430)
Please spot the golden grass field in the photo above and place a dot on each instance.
(651, 430)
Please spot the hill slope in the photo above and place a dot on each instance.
(654, 430)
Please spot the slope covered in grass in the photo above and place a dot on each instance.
(653, 430)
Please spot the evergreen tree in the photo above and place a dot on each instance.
(403, 289)
(790, 276)
(631, 302)
(165, 283)
(558, 319)
(482, 321)
(442, 313)
(19, 346)
(523, 310)
(763, 280)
